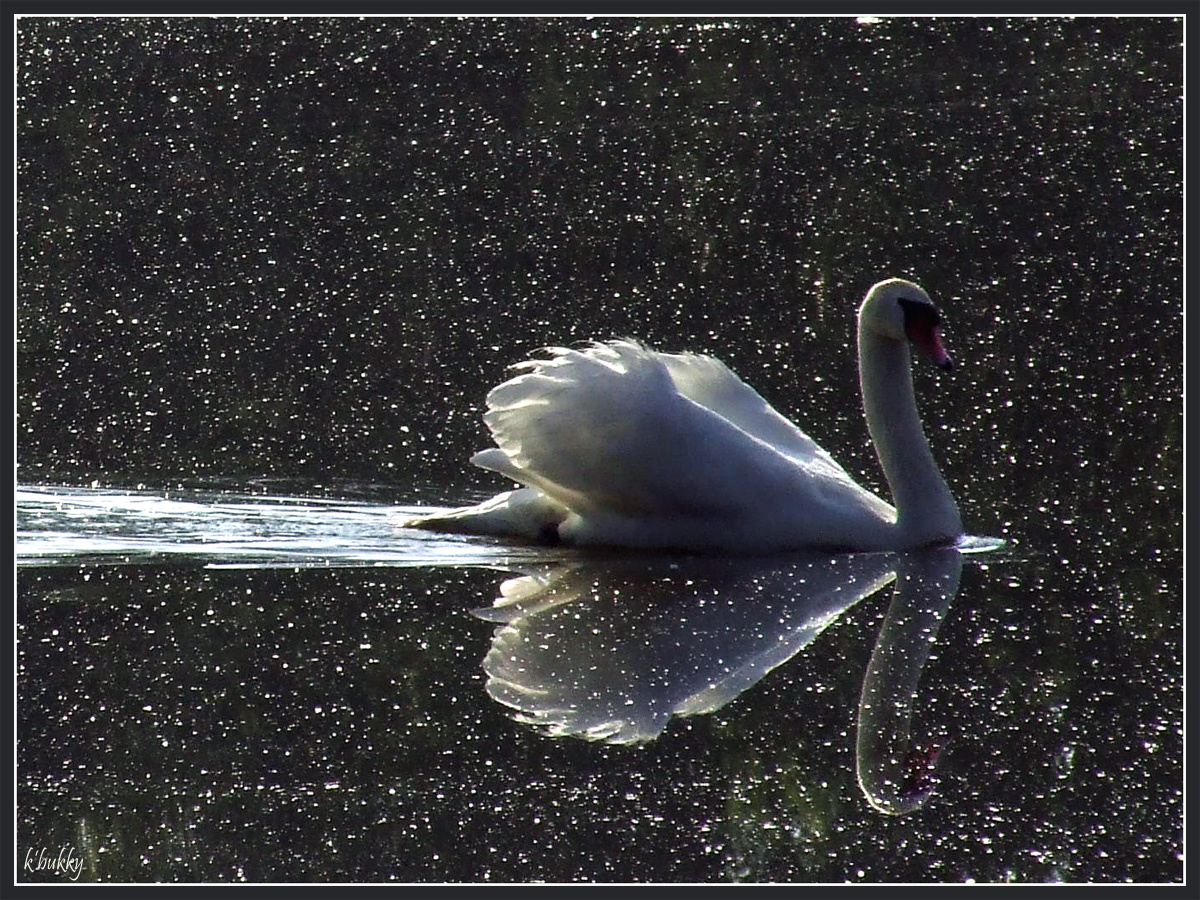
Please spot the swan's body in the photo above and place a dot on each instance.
(617, 444)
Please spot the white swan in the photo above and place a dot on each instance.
(619, 445)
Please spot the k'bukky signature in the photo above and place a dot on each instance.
(65, 863)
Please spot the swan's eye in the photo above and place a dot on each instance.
(922, 324)
(918, 311)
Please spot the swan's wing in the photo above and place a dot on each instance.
(710, 383)
(606, 428)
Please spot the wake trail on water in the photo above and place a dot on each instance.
(84, 525)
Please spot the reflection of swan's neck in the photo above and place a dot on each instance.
(895, 775)
(925, 510)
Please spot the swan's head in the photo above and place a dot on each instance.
(901, 310)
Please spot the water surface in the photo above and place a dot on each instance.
(269, 268)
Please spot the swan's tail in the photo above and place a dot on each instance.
(526, 513)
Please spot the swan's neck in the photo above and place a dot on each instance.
(925, 510)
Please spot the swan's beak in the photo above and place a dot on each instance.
(940, 356)
(929, 339)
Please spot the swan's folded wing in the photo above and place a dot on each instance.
(710, 383)
(607, 429)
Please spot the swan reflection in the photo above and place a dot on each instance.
(895, 775)
(610, 650)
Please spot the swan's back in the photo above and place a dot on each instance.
(709, 382)
(654, 449)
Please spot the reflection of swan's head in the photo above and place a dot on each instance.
(909, 783)
(899, 310)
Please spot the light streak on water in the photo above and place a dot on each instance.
(73, 526)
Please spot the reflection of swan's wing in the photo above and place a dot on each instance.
(593, 702)
(612, 652)
(750, 670)
(607, 430)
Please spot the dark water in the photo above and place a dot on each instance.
(268, 269)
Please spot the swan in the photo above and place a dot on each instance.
(616, 444)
